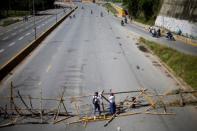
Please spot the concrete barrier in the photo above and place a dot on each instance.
(19, 57)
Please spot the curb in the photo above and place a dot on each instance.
(19, 57)
(183, 85)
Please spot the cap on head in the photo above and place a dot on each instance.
(96, 93)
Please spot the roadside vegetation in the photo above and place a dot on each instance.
(12, 8)
(110, 8)
(184, 66)
(9, 22)
(144, 11)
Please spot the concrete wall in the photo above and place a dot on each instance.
(179, 14)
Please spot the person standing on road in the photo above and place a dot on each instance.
(112, 104)
(96, 103)
(101, 101)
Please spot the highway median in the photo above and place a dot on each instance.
(19, 57)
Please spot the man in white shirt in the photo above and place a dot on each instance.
(112, 104)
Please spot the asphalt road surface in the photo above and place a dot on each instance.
(177, 45)
(17, 36)
(91, 53)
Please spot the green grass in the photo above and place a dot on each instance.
(12, 13)
(110, 8)
(117, 1)
(185, 66)
(143, 21)
(9, 22)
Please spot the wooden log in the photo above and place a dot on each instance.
(158, 113)
(63, 119)
(10, 123)
(110, 120)
(29, 109)
(125, 92)
(105, 98)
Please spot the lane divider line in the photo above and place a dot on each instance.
(11, 44)
(28, 34)
(21, 38)
(40, 83)
(5, 38)
(48, 68)
(1, 50)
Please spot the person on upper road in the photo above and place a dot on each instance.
(101, 14)
(122, 22)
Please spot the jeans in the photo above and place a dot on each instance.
(97, 106)
(112, 108)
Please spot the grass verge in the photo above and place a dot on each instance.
(10, 21)
(185, 66)
(14, 13)
(109, 7)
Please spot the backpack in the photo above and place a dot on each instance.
(95, 100)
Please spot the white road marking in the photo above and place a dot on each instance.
(43, 24)
(38, 27)
(39, 83)
(5, 38)
(28, 34)
(48, 68)
(26, 27)
(21, 38)
(13, 33)
(1, 50)
(11, 44)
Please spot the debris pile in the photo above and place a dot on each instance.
(20, 109)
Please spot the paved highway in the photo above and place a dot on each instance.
(15, 37)
(91, 53)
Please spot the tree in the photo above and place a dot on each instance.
(148, 8)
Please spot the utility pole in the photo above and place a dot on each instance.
(56, 12)
(34, 18)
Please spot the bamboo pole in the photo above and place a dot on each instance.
(11, 95)
(41, 119)
(63, 119)
(29, 109)
(158, 113)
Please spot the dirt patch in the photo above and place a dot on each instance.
(142, 48)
